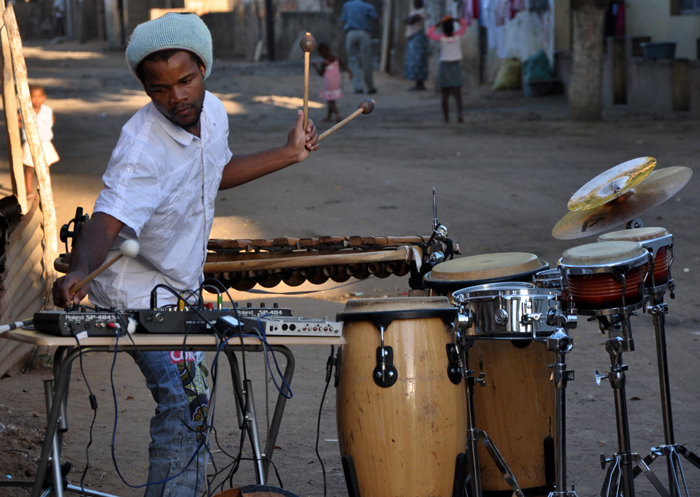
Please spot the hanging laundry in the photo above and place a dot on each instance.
(471, 11)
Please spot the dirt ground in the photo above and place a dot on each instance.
(503, 179)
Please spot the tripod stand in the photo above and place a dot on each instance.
(671, 450)
(464, 343)
(619, 479)
(561, 343)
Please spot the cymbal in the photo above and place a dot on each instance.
(659, 186)
(611, 184)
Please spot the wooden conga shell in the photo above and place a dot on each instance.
(517, 406)
(404, 439)
(516, 409)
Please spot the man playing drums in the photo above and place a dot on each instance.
(160, 186)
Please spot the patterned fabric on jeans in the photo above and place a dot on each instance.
(178, 448)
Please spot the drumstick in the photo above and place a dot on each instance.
(307, 44)
(366, 106)
(129, 248)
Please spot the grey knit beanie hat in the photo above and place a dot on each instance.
(171, 31)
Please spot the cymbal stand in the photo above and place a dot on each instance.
(671, 450)
(560, 343)
(463, 344)
(619, 478)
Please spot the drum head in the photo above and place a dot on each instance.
(483, 268)
(634, 235)
(601, 253)
(396, 304)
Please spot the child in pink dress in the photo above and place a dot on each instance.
(330, 70)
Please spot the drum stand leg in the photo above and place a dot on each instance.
(561, 343)
(474, 434)
(619, 479)
(671, 450)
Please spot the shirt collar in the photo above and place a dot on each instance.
(175, 132)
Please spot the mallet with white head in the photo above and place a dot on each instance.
(129, 248)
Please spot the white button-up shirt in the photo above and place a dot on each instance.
(161, 182)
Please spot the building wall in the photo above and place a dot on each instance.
(562, 25)
(653, 18)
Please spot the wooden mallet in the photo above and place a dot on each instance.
(366, 106)
(129, 248)
(307, 44)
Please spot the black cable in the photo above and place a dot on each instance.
(329, 374)
(93, 405)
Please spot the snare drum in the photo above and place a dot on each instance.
(605, 277)
(404, 439)
(508, 310)
(659, 243)
(481, 269)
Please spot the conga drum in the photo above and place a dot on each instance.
(517, 406)
(605, 277)
(659, 243)
(402, 421)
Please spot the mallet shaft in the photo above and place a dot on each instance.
(306, 89)
(340, 124)
(74, 289)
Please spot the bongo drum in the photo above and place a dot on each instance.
(605, 277)
(404, 439)
(659, 243)
(481, 269)
(517, 406)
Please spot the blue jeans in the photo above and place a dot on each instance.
(179, 424)
(358, 45)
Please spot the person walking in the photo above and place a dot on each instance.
(358, 16)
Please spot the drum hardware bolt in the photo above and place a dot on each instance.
(480, 379)
(604, 461)
(598, 378)
(501, 317)
(531, 318)
(635, 224)
(464, 319)
(556, 318)
(435, 258)
(441, 233)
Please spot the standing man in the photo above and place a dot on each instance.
(358, 16)
(160, 185)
